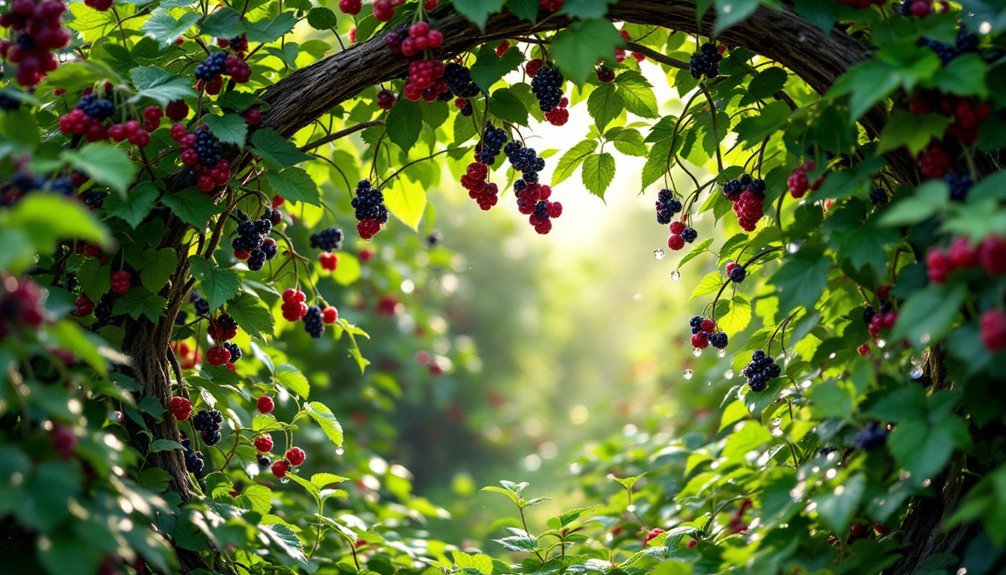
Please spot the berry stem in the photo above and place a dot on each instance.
(329, 138)
(712, 117)
(399, 170)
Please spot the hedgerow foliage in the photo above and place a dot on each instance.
(172, 232)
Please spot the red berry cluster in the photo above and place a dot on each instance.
(934, 161)
(748, 209)
(40, 31)
(20, 304)
(993, 330)
(195, 153)
(293, 306)
(680, 235)
(132, 132)
(966, 113)
(295, 456)
(532, 199)
(180, 408)
(328, 261)
(82, 306)
(351, 7)
(217, 356)
(799, 180)
(483, 192)
(425, 80)
(704, 332)
(223, 328)
(176, 111)
(559, 115)
(551, 5)
(121, 281)
(421, 37)
(384, 10)
(884, 319)
(990, 255)
(620, 53)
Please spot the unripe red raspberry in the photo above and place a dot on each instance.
(280, 468)
(264, 443)
(330, 315)
(218, 356)
(121, 282)
(295, 456)
(700, 340)
(265, 404)
(180, 408)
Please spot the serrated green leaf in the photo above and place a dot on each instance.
(571, 160)
(160, 85)
(191, 206)
(165, 28)
(604, 105)
(218, 284)
(637, 94)
(325, 419)
(104, 164)
(156, 267)
(138, 302)
(489, 68)
(598, 172)
(252, 315)
(295, 185)
(578, 48)
(136, 204)
(229, 128)
(405, 121)
(276, 149)
(291, 378)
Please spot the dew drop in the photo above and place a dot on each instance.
(792, 247)
(721, 353)
(926, 338)
(881, 343)
(284, 480)
(675, 275)
(658, 254)
(696, 352)
(339, 451)
(687, 374)
(729, 374)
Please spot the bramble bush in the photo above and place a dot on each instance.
(191, 192)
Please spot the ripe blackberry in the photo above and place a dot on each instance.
(207, 423)
(313, 322)
(223, 328)
(103, 310)
(960, 185)
(327, 240)
(94, 198)
(97, 108)
(719, 340)
(264, 462)
(491, 144)
(605, 74)
(234, 350)
(737, 274)
(878, 196)
(256, 259)
(667, 206)
(459, 81)
(9, 103)
(464, 106)
(371, 213)
(705, 62)
(945, 52)
(868, 314)
(689, 235)
(761, 371)
(269, 248)
(194, 462)
(547, 87)
(214, 65)
(202, 306)
(872, 437)
(966, 41)
(207, 146)
(696, 323)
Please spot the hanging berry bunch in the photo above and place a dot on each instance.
(253, 243)
(459, 81)
(194, 462)
(209, 74)
(761, 371)
(201, 152)
(293, 307)
(328, 241)
(704, 334)
(207, 423)
(667, 206)
(371, 212)
(680, 235)
(490, 145)
(474, 180)
(39, 31)
(748, 196)
(88, 118)
(705, 62)
(799, 182)
(547, 87)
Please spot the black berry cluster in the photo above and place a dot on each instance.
(525, 160)
(234, 350)
(253, 242)
(490, 145)
(193, 459)
(667, 206)
(960, 185)
(878, 196)
(327, 240)
(871, 437)
(207, 423)
(371, 213)
(207, 146)
(736, 272)
(202, 306)
(747, 194)
(96, 107)
(214, 65)
(547, 87)
(94, 198)
(965, 42)
(223, 328)
(313, 322)
(704, 334)
(761, 371)
(705, 62)
(459, 81)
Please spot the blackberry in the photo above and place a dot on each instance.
(194, 462)
(547, 87)
(8, 103)
(705, 62)
(960, 185)
(689, 235)
(737, 274)
(459, 81)
(491, 144)
(182, 318)
(264, 462)
(234, 349)
(202, 306)
(327, 240)
(313, 322)
(369, 203)
(719, 340)
(94, 199)
(103, 309)
(966, 41)
(886, 306)
(945, 52)
(734, 188)
(868, 314)
(207, 146)
(872, 437)
(434, 239)
(97, 108)
(207, 423)
(878, 196)
(667, 206)
(256, 259)
(696, 323)
(263, 226)
(761, 371)
(275, 216)
(269, 248)
(467, 109)
(214, 65)
(62, 185)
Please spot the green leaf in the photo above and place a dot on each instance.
(963, 76)
(271, 28)
(571, 160)
(405, 121)
(730, 12)
(628, 142)
(156, 267)
(323, 480)
(738, 318)
(586, 9)
(920, 206)
(604, 105)
(73, 76)
(768, 82)
(323, 416)
(924, 447)
(752, 130)
(478, 11)
(276, 149)
(406, 200)
(70, 335)
(223, 23)
(927, 315)
(477, 563)
(598, 172)
(164, 28)
(291, 378)
(160, 85)
(866, 246)
(322, 18)
(218, 284)
(138, 302)
(45, 219)
(578, 48)
(821, 14)
(637, 94)
(136, 204)
(801, 279)
(295, 185)
(285, 539)
(191, 206)
(915, 132)
(506, 106)
(489, 68)
(104, 164)
(252, 315)
(94, 279)
(259, 497)
(838, 508)
(229, 128)
(832, 398)
(657, 163)
(524, 9)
